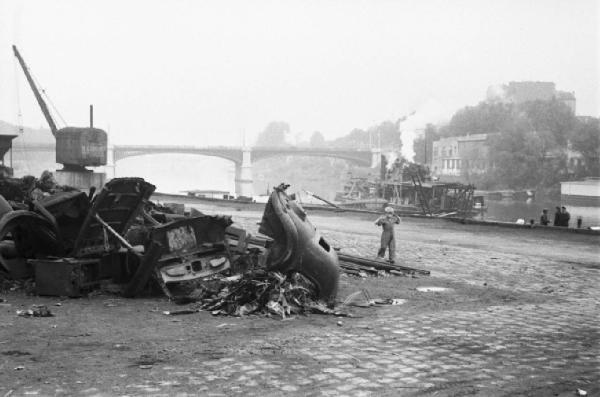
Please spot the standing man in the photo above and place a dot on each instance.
(557, 217)
(565, 217)
(544, 221)
(388, 240)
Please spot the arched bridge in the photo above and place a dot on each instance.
(242, 157)
(359, 157)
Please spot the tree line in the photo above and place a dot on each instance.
(528, 144)
(386, 134)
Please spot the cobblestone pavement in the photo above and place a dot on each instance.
(516, 347)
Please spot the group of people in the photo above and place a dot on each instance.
(561, 217)
(387, 222)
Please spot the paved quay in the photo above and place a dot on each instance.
(517, 318)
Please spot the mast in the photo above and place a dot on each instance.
(36, 92)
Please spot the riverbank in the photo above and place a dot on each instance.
(515, 314)
(236, 206)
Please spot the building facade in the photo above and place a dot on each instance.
(457, 159)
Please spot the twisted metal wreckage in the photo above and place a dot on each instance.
(71, 243)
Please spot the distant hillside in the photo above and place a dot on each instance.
(29, 135)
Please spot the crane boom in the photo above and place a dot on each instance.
(36, 92)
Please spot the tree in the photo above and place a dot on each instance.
(386, 134)
(317, 139)
(523, 158)
(484, 118)
(552, 116)
(585, 139)
(528, 145)
(274, 134)
(355, 139)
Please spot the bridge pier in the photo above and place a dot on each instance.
(375, 157)
(243, 175)
(111, 166)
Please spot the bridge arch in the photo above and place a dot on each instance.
(239, 157)
(360, 158)
(231, 154)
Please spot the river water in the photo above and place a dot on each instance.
(178, 173)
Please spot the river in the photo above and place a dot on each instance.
(177, 173)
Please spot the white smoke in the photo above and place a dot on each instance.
(431, 112)
(390, 157)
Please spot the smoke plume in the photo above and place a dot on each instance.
(431, 112)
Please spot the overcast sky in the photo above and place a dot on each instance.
(203, 72)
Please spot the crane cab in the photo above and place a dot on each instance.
(80, 147)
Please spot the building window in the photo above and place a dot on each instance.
(458, 164)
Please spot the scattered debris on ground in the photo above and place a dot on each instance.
(35, 311)
(265, 292)
(365, 267)
(433, 289)
(362, 298)
(68, 243)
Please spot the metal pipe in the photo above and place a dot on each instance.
(91, 116)
(114, 233)
(378, 264)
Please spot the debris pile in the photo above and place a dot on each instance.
(265, 292)
(71, 243)
(18, 191)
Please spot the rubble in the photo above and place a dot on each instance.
(72, 243)
(264, 292)
(35, 311)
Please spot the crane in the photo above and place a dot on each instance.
(36, 92)
(76, 147)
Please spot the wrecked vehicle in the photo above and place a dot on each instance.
(192, 249)
(298, 246)
(71, 242)
(67, 239)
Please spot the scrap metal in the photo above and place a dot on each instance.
(74, 241)
(366, 264)
(298, 246)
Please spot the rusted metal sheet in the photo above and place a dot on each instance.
(65, 276)
(69, 210)
(117, 204)
(298, 246)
